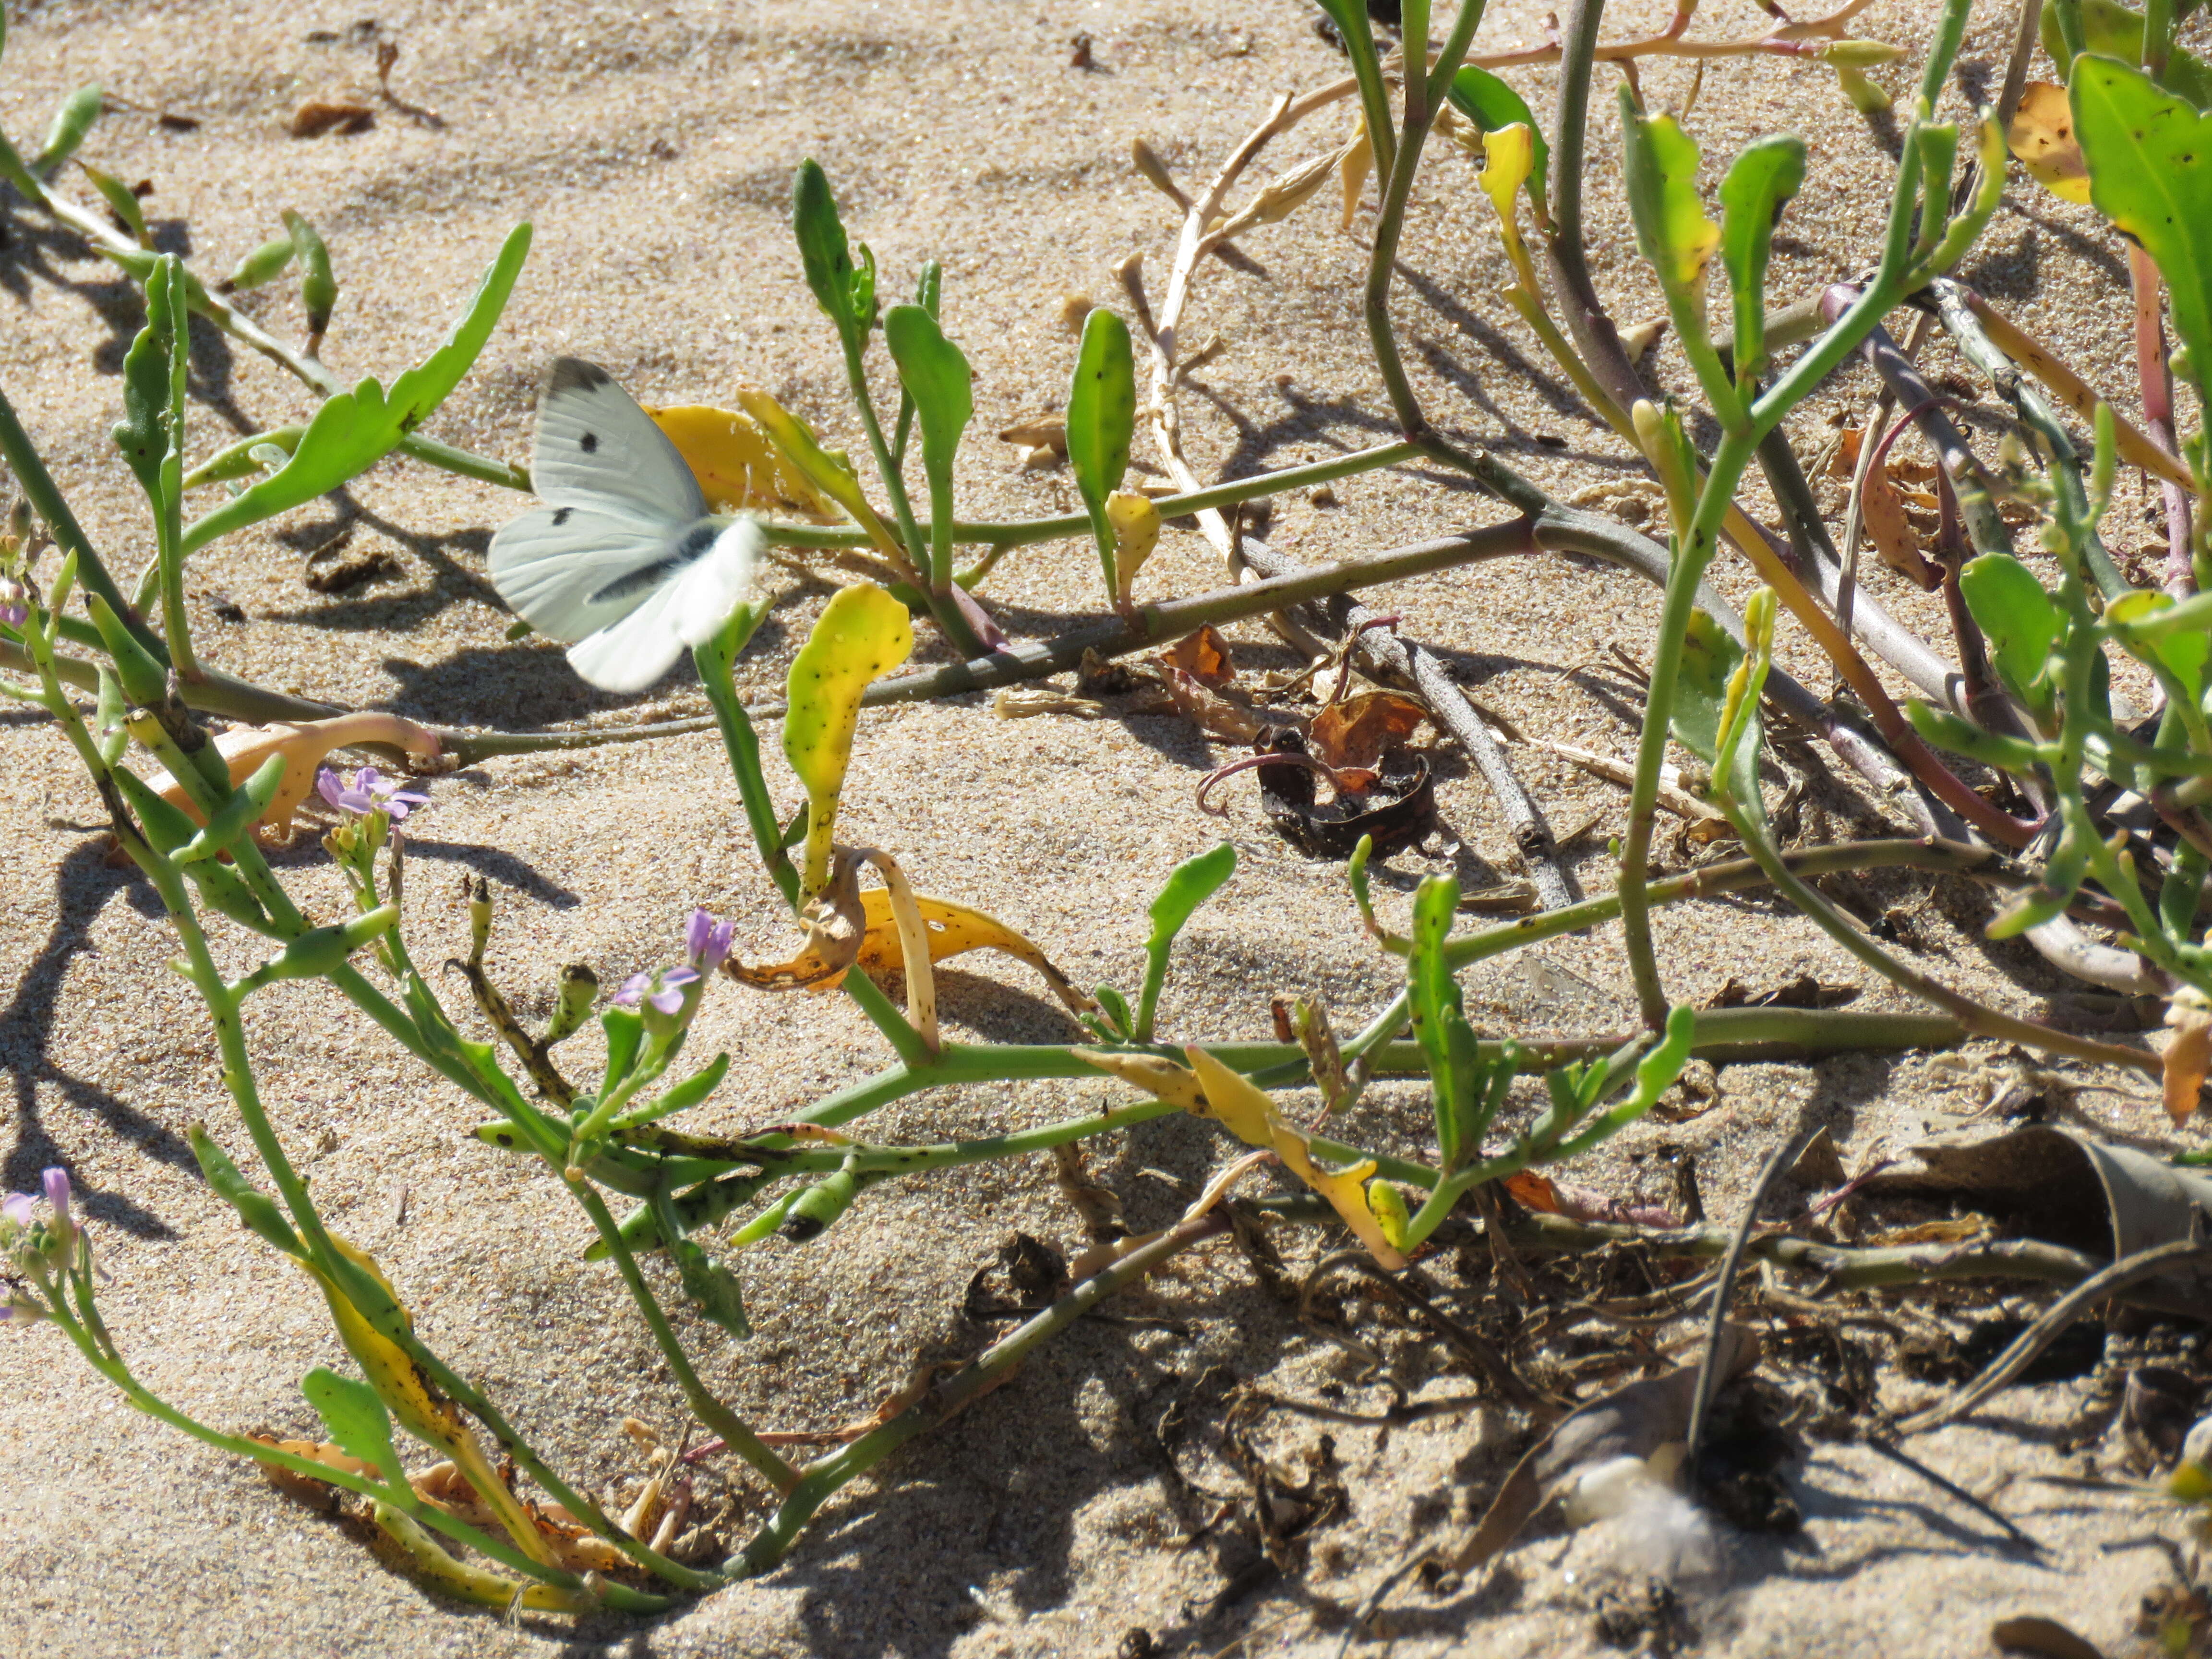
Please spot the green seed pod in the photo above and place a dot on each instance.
(319, 287)
(696, 1207)
(71, 122)
(264, 264)
(240, 460)
(580, 989)
(167, 827)
(255, 1207)
(812, 1213)
(322, 949)
(122, 203)
(244, 807)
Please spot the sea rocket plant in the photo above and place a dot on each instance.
(368, 791)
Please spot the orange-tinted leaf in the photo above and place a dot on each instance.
(1204, 656)
(835, 921)
(2042, 137)
(1356, 732)
(1533, 1192)
(2188, 1055)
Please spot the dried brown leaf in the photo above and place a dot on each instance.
(1356, 732)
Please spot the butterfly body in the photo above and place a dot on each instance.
(623, 558)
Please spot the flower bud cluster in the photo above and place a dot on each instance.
(35, 1246)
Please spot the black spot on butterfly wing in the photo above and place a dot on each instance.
(561, 516)
(569, 373)
(697, 540)
(590, 443)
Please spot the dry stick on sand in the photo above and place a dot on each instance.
(1701, 1400)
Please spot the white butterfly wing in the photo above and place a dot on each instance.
(685, 610)
(595, 447)
(569, 571)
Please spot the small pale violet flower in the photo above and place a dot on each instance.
(707, 942)
(17, 1209)
(56, 1183)
(368, 791)
(15, 611)
(663, 991)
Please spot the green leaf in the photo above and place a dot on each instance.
(846, 296)
(1489, 104)
(936, 377)
(1710, 657)
(681, 1098)
(318, 286)
(625, 1033)
(1671, 225)
(2150, 172)
(357, 1419)
(2021, 623)
(353, 430)
(1193, 882)
(143, 434)
(2182, 651)
(1764, 177)
(255, 1207)
(145, 678)
(1457, 1078)
(246, 804)
(1102, 420)
(72, 121)
(107, 728)
(1654, 1075)
(126, 207)
(1116, 1005)
(2116, 31)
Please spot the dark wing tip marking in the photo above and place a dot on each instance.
(569, 373)
(590, 443)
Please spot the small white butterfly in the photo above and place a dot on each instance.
(623, 558)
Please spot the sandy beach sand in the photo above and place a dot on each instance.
(652, 148)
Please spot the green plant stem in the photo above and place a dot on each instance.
(705, 1406)
(941, 605)
(1024, 532)
(987, 1372)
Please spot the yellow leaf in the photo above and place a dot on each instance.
(2189, 1056)
(2042, 137)
(1237, 1101)
(832, 918)
(862, 636)
(828, 472)
(953, 930)
(1136, 525)
(1359, 161)
(1508, 154)
(738, 468)
(411, 1398)
(1162, 1078)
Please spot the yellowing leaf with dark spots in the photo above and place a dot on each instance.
(2042, 137)
(862, 635)
(738, 469)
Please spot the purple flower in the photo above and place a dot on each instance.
(662, 990)
(14, 609)
(56, 1183)
(368, 791)
(707, 942)
(17, 1209)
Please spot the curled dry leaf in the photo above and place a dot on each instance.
(835, 921)
(1356, 732)
(1636, 1421)
(1039, 432)
(1204, 656)
(319, 115)
(1396, 809)
(953, 929)
(2042, 137)
(304, 745)
(2045, 1639)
